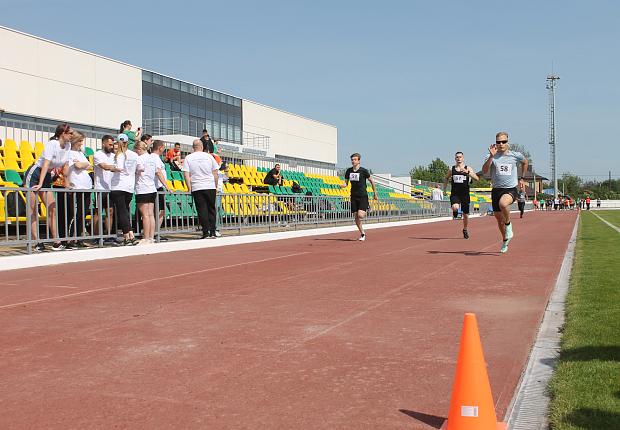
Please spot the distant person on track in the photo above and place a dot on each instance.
(588, 203)
(598, 203)
(356, 175)
(521, 201)
(503, 165)
(459, 176)
(437, 194)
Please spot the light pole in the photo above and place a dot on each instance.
(551, 82)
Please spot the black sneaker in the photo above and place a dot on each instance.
(130, 242)
(465, 234)
(163, 239)
(58, 247)
(71, 245)
(39, 247)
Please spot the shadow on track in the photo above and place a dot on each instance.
(467, 253)
(432, 238)
(339, 240)
(431, 420)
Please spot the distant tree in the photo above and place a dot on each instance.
(570, 184)
(481, 183)
(434, 172)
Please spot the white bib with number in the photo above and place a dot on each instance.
(354, 176)
(504, 169)
(459, 179)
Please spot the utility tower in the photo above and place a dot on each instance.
(551, 82)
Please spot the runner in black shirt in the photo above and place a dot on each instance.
(459, 176)
(357, 175)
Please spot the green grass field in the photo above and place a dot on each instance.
(612, 217)
(586, 386)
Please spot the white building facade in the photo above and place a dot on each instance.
(43, 83)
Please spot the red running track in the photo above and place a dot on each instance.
(321, 332)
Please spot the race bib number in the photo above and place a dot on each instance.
(354, 177)
(504, 169)
(459, 179)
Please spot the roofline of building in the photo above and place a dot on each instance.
(159, 73)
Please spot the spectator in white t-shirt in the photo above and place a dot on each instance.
(77, 178)
(38, 176)
(146, 190)
(104, 167)
(201, 176)
(122, 187)
(157, 149)
(437, 194)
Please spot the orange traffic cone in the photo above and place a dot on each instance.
(471, 405)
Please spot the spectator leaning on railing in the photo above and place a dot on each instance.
(123, 186)
(103, 169)
(77, 177)
(201, 176)
(38, 176)
(173, 157)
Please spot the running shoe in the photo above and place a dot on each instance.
(39, 247)
(509, 233)
(362, 237)
(465, 234)
(504, 246)
(58, 246)
(130, 242)
(218, 234)
(71, 245)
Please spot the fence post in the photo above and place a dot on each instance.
(28, 222)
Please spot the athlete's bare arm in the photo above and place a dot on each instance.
(374, 189)
(446, 179)
(472, 174)
(524, 165)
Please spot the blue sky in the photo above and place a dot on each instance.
(404, 81)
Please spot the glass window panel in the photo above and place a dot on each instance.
(208, 94)
(216, 116)
(229, 100)
(147, 76)
(166, 113)
(237, 134)
(184, 87)
(156, 113)
(185, 108)
(176, 106)
(216, 96)
(147, 100)
(147, 112)
(156, 79)
(237, 121)
(238, 102)
(209, 125)
(223, 131)
(158, 91)
(185, 98)
(193, 110)
(201, 113)
(208, 105)
(147, 88)
(166, 81)
(231, 135)
(192, 127)
(157, 102)
(224, 118)
(175, 84)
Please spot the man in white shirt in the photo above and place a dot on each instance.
(201, 176)
(103, 170)
(437, 194)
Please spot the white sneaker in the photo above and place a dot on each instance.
(362, 237)
(509, 233)
(218, 234)
(504, 247)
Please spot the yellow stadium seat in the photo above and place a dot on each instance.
(38, 149)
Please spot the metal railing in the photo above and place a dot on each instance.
(53, 215)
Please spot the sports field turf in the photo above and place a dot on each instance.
(586, 385)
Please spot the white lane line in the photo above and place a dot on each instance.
(146, 281)
(607, 222)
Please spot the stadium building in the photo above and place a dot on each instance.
(43, 83)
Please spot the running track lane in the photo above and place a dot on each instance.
(317, 332)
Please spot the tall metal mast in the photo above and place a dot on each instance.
(551, 82)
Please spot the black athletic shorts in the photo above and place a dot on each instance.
(460, 199)
(162, 199)
(359, 204)
(497, 193)
(106, 201)
(146, 198)
(32, 176)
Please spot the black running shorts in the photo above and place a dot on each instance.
(497, 193)
(359, 204)
(462, 200)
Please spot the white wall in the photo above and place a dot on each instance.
(49, 80)
(400, 184)
(291, 135)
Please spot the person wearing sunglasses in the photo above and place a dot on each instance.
(505, 177)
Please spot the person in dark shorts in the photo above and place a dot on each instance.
(503, 165)
(521, 201)
(459, 176)
(356, 175)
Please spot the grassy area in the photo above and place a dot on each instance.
(612, 217)
(586, 386)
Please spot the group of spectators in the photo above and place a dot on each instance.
(565, 203)
(130, 164)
